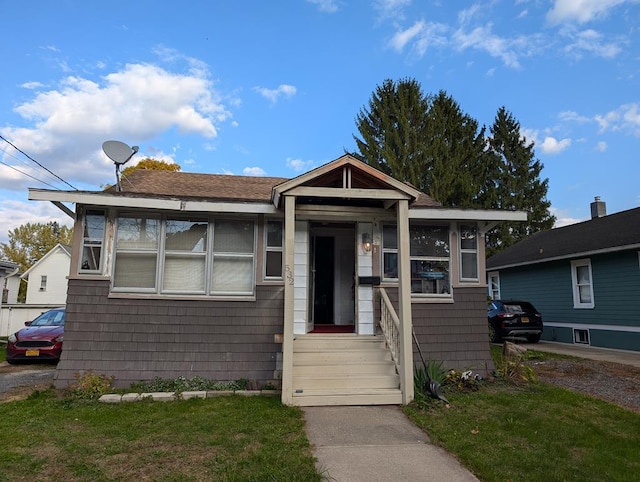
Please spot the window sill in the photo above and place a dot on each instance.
(154, 296)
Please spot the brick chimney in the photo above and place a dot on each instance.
(598, 208)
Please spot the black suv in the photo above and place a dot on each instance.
(513, 318)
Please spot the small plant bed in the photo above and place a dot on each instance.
(513, 426)
(225, 438)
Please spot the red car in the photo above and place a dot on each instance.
(40, 340)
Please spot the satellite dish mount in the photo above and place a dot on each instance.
(120, 153)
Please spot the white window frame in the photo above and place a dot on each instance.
(472, 251)
(160, 253)
(577, 303)
(493, 281)
(43, 282)
(273, 249)
(92, 244)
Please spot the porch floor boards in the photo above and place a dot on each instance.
(343, 369)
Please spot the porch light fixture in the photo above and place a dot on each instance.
(366, 242)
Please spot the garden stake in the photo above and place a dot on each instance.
(432, 386)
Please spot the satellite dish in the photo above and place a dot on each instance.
(120, 153)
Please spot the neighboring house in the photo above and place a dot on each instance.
(9, 281)
(284, 282)
(584, 278)
(47, 278)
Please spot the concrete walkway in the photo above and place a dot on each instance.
(376, 443)
(585, 351)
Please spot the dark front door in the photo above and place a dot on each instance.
(323, 282)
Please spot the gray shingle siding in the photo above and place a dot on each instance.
(455, 334)
(138, 339)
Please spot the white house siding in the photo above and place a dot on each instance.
(365, 293)
(301, 278)
(55, 266)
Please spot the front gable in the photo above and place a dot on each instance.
(346, 178)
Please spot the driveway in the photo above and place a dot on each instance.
(17, 381)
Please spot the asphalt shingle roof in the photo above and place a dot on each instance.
(600, 234)
(212, 187)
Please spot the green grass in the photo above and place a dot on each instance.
(3, 348)
(534, 432)
(230, 438)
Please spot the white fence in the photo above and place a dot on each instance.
(13, 316)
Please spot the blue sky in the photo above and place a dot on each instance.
(273, 88)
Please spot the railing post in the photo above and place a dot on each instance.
(287, 336)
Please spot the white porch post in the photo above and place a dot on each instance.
(404, 302)
(287, 339)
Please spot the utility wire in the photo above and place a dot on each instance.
(28, 175)
(9, 154)
(32, 159)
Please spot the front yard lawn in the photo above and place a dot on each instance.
(231, 438)
(534, 432)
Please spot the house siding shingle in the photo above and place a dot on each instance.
(455, 334)
(141, 339)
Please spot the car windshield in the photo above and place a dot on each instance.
(49, 318)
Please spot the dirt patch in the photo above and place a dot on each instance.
(612, 382)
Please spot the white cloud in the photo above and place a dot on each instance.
(572, 116)
(601, 146)
(298, 165)
(624, 118)
(482, 38)
(403, 37)
(253, 171)
(16, 213)
(581, 11)
(551, 145)
(32, 85)
(67, 125)
(327, 6)
(590, 41)
(273, 95)
(563, 219)
(391, 8)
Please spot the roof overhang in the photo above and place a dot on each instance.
(143, 202)
(491, 216)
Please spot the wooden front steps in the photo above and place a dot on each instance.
(343, 369)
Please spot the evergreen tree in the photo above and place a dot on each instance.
(513, 183)
(392, 130)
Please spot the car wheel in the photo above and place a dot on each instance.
(494, 335)
(533, 338)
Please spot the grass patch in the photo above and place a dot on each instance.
(229, 438)
(533, 431)
(3, 349)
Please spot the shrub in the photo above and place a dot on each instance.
(91, 385)
(182, 384)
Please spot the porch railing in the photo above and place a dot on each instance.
(390, 325)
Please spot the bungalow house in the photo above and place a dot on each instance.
(47, 278)
(313, 284)
(583, 278)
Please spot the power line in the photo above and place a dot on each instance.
(9, 154)
(28, 175)
(32, 159)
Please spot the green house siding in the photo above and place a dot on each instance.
(616, 293)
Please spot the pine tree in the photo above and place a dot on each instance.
(392, 130)
(513, 183)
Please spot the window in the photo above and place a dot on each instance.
(185, 249)
(582, 284)
(494, 286)
(429, 256)
(581, 336)
(43, 282)
(390, 252)
(468, 253)
(93, 237)
(184, 255)
(273, 250)
(137, 244)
